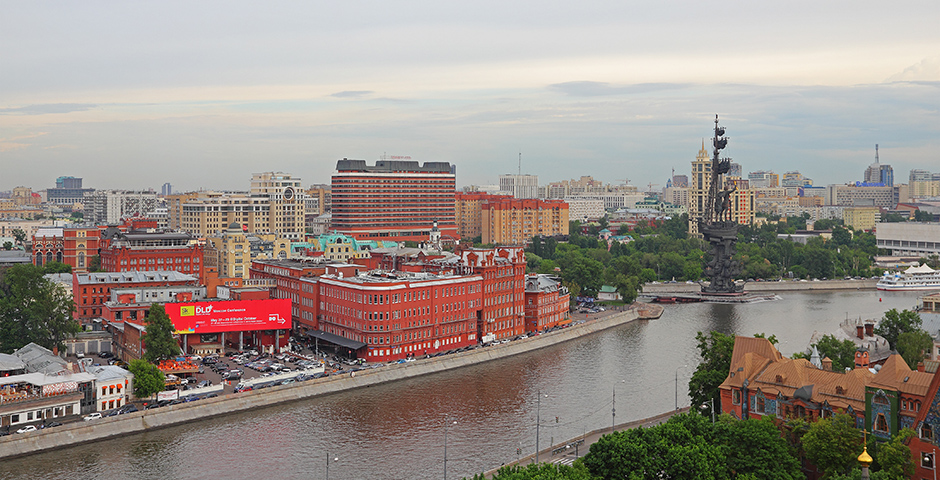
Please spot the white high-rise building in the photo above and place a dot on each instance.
(519, 186)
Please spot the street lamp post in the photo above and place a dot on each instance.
(677, 385)
(445, 445)
(328, 464)
(538, 409)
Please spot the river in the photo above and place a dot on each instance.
(396, 431)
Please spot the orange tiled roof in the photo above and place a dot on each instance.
(896, 375)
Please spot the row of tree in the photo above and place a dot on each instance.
(689, 446)
(663, 251)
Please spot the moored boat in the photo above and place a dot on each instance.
(914, 278)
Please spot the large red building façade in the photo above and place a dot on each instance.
(406, 301)
(393, 200)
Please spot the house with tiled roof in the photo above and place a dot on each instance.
(894, 398)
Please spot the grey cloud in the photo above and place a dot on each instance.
(352, 94)
(594, 89)
(43, 109)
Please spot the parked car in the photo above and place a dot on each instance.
(105, 354)
(92, 416)
(27, 429)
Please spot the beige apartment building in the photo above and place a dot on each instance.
(516, 221)
(469, 212)
(235, 248)
(861, 218)
(275, 205)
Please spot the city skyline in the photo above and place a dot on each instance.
(111, 92)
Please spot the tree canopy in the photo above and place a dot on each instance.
(715, 350)
(894, 323)
(33, 309)
(841, 353)
(833, 444)
(159, 339)
(148, 379)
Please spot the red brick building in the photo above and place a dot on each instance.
(91, 290)
(148, 250)
(393, 200)
(547, 303)
(297, 281)
(74, 246)
(396, 315)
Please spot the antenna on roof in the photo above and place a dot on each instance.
(876, 153)
(520, 161)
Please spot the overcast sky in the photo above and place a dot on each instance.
(203, 94)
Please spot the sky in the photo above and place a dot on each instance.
(201, 95)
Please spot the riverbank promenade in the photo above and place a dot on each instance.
(568, 451)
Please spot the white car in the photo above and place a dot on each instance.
(92, 416)
(27, 429)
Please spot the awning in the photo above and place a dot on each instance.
(336, 339)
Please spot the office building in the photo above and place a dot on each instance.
(393, 200)
(108, 207)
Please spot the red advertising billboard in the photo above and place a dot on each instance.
(230, 316)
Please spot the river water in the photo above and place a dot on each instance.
(396, 431)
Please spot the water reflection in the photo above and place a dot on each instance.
(396, 430)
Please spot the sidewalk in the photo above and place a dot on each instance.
(579, 446)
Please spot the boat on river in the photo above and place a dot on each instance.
(914, 278)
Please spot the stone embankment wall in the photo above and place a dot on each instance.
(775, 287)
(81, 432)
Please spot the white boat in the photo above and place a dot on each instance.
(914, 278)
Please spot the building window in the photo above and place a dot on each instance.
(926, 460)
(759, 408)
(926, 432)
(881, 423)
(736, 397)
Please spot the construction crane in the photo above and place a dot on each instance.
(626, 181)
(651, 185)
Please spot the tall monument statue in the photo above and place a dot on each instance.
(717, 225)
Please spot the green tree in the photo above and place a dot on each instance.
(148, 379)
(833, 444)
(841, 236)
(585, 272)
(894, 456)
(33, 309)
(841, 353)
(532, 261)
(541, 471)
(914, 347)
(628, 288)
(19, 235)
(8, 245)
(159, 339)
(547, 266)
(95, 264)
(922, 216)
(894, 323)
(755, 447)
(715, 350)
(57, 267)
(683, 447)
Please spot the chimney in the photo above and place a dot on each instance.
(827, 364)
(860, 331)
(869, 329)
(920, 367)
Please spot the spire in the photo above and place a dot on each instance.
(814, 359)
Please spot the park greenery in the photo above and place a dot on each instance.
(664, 251)
(691, 446)
(34, 309)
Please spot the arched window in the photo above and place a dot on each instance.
(39, 259)
(81, 259)
(49, 257)
(58, 256)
